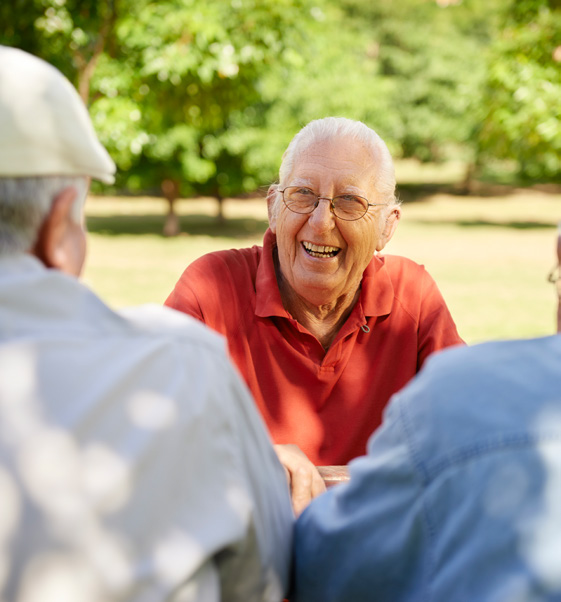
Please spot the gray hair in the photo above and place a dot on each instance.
(319, 130)
(25, 203)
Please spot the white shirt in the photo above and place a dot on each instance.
(133, 463)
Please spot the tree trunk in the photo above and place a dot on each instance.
(86, 66)
(220, 213)
(170, 189)
(469, 178)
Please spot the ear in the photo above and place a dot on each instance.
(272, 207)
(390, 226)
(61, 241)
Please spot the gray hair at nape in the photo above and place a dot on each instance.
(320, 130)
(25, 203)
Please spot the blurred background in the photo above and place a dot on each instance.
(196, 101)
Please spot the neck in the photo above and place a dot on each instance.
(323, 320)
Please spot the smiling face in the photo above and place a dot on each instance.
(322, 258)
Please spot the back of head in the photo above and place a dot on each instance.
(47, 143)
(320, 130)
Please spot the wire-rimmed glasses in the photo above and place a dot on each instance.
(555, 278)
(555, 275)
(348, 207)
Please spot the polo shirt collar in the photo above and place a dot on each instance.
(268, 301)
(376, 296)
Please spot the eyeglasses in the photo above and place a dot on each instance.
(348, 207)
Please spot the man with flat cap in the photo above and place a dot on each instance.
(133, 463)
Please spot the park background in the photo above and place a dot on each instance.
(197, 99)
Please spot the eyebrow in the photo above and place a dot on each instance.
(345, 189)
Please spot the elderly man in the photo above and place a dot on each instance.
(322, 327)
(458, 498)
(133, 464)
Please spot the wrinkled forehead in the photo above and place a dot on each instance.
(343, 158)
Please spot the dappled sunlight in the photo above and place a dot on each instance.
(151, 411)
(513, 588)
(9, 520)
(205, 585)
(11, 507)
(106, 478)
(239, 501)
(19, 415)
(110, 554)
(59, 577)
(51, 472)
(176, 555)
(68, 486)
(541, 539)
(90, 572)
(507, 491)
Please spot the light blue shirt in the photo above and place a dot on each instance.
(134, 466)
(459, 497)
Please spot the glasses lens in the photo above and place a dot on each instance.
(349, 207)
(300, 200)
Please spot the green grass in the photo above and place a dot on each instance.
(489, 255)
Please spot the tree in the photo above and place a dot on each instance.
(175, 104)
(522, 121)
(70, 34)
(174, 87)
(430, 65)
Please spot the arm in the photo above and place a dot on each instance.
(199, 294)
(261, 570)
(183, 297)
(235, 520)
(302, 476)
(437, 329)
(361, 538)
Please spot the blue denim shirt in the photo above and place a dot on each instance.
(459, 497)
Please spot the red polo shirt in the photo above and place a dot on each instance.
(328, 403)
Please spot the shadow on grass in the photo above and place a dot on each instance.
(195, 225)
(465, 223)
(243, 227)
(414, 193)
(203, 225)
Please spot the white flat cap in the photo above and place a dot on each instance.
(45, 129)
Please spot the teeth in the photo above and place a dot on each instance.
(320, 250)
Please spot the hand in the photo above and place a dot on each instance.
(303, 477)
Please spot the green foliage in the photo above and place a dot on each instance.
(523, 118)
(430, 70)
(66, 33)
(17, 24)
(175, 101)
(208, 94)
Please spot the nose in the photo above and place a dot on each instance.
(322, 218)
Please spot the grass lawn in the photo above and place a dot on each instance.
(489, 255)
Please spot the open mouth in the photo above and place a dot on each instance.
(320, 251)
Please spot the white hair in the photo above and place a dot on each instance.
(25, 203)
(320, 130)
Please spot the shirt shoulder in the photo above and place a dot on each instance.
(397, 265)
(413, 287)
(470, 401)
(406, 275)
(231, 264)
(165, 323)
(218, 286)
